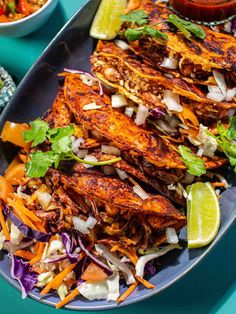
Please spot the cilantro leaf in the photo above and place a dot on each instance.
(137, 33)
(194, 164)
(231, 132)
(186, 27)
(39, 164)
(133, 34)
(61, 139)
(38, 132)
(138, 17)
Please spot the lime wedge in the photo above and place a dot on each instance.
(203, 215)
(107, 22)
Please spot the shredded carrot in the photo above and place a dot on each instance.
(24, 254)
(19, 206)
(38, 257)
(29, 223)
(36, 247)
(38, 270)
(3, 224)
(130, 254)
(58, 279)
(147, 284)
(128, 292)
(68, 298)
(15, 174)
(218, 184)
(5, 189)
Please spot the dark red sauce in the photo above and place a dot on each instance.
(207, 11)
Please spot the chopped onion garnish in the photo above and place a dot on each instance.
(215, 97)
(140, 192)
(171, 236)
(231, 93)
(44, 198)
(91, 222)
(87, 74)
(82, 153)
(129, 111)
(220, 80)
(110, 150)
(76, 142)
(142, 115)
(87, 80)
(214, 89)
(200, 152)
(183, 126)
(109, 170)
(170, 63)
(143, 260)
(118, 101)
(91, 106)
(231, 112)
(90, 158)
(121, 44)
(80, 225)
(172, 101)
(122, 174)
(22, 195)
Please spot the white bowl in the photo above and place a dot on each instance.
(30, 23)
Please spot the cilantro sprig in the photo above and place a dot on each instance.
(61, 148)
(226, 140)
(187, 28)
(194, 164)
(139, 17)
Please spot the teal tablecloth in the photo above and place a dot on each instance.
(209, 288)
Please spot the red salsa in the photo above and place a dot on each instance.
(207, 11)
(13, 10)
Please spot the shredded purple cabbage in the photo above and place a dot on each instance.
(156, 113)
(99, 263)
(21, 272)
(27, 231)
(150, 269)
(69, 244)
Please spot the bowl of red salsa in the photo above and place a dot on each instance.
(22, 17)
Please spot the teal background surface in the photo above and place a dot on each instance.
(209, 288)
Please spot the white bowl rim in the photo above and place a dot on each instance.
(29, 16)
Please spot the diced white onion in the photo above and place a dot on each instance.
(91, 106)
(80, 225)
(220, 80)
(170, 63)
(55, 246)
(214, 89)
(76, 143)
(140, 192)
(171, 236)
(172, 101)
(91, 222)
(142, 115)
(227, 27)
(143, 260)
(122, 174)
(89, 158)
(22, 195)
(129, 111)
(44, 198)
(82, 153)
(200, 152)
(121, 44)
(87, 80)
(215, 97)
(109, 170)
(111, 150)
(231, 93)
(183, 126)
(118, 101)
